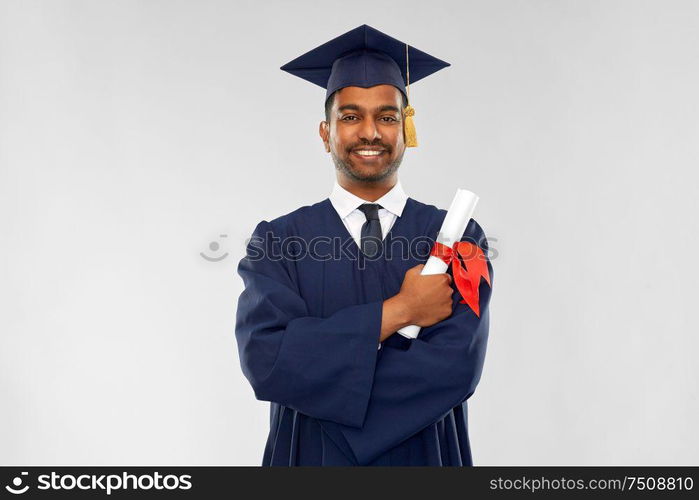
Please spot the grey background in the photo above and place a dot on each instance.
(134, 133)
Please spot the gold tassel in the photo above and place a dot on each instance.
(409, 111)
(409, 127)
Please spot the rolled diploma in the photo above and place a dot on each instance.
(453, 227)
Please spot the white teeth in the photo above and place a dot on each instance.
(366, 152)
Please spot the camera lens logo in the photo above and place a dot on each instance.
(214, 247)
(17, 482)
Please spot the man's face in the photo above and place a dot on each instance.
(365, 132)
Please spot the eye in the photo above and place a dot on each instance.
(388, 118)
(347, 118)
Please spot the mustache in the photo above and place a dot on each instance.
(375, 144)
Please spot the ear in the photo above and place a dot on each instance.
(324, 131)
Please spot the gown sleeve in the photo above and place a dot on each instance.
(321, 367)
(417, 382)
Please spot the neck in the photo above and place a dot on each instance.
(370, 191)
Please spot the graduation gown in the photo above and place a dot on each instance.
(307, 328)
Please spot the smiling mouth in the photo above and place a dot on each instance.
(369, 154)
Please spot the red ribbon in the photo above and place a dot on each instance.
(467, 276)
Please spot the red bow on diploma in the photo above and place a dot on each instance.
(467, 276)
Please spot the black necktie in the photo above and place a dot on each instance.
(371, 230)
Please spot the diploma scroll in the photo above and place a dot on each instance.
(453, 227)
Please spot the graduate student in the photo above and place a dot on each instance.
(329, 285)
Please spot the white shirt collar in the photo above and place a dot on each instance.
(345, 202)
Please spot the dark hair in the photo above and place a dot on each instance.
(331, 99)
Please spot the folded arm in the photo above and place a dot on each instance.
(417, 382)
(329, 368)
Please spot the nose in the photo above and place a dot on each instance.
(369, 131)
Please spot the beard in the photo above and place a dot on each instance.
(346, 166)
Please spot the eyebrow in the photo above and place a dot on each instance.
(380, 109)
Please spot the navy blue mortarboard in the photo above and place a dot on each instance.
(364, 57)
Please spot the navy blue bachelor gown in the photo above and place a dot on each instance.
(307, 327)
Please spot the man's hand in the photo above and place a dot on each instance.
(422, 300)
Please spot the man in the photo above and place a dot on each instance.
(318, 322)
